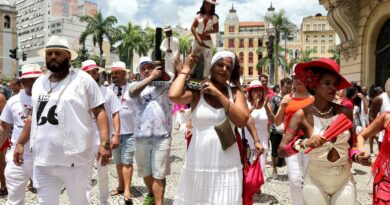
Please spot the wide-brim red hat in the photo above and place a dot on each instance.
(324, 63)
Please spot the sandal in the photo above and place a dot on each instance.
(3, 191)
(128, 200)
(116, 192)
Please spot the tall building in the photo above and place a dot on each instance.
(8, 38)
(37, 20)
(318, 36)
(87, 9)
(245, 39)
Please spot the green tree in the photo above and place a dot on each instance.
(132, 40)
(336, 55)
(99, 27)
(185, 44)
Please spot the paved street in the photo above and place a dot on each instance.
(274, 191)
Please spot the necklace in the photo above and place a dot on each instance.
(323, 113)
(52, 87)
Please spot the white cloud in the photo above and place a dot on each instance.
(159, 12)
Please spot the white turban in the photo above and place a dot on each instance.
(223, 54)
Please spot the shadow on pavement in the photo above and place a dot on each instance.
(360, 172)
(265, 198)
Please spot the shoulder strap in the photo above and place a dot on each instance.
(230, 92)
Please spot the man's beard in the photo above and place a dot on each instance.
(56, 67)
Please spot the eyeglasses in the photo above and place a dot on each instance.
(119, 91)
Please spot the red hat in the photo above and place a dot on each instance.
(255, 84)
(301, 71)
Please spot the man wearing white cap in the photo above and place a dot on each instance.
(64, 100)
(15, 112)
(152, 131)
(123, 156)
(171, 47)
(112, 106)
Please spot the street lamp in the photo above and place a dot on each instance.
(271, 33)
(287, 31)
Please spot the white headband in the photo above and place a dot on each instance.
(222, 54)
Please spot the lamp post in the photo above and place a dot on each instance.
(271, 33)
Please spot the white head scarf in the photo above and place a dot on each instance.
(223, 54)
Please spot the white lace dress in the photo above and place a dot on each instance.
(210, 174)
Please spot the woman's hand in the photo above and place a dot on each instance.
(259, 148)
(363, 158)
(191, 60)
(315, 141)
(286, 99)
(209, 88)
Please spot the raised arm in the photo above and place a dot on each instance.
(279, 117)
(136, 88)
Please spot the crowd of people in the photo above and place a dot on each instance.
(55, 125)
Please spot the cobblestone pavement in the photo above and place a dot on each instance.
(273, 191)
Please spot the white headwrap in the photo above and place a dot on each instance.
(223, 54)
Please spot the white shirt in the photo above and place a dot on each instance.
(127, 112)
(15, 112)
(62, 130)
(112, 106)
(154, 112)
(205, 24)
(170, 57)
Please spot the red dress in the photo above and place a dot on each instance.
(381, 172)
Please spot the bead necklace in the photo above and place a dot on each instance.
(323, 113)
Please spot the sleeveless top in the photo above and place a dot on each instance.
(386, 103)
(318, 156)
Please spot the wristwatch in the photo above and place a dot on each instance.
(297, 145)
(106, 145)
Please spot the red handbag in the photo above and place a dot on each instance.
(252, 175)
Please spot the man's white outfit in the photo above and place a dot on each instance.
(15, 112)
(170, 57)
(112, 106)
(62, 135)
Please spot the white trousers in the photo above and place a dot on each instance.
(296, 167)
(102, 174)
(17, 179)
(49, 180)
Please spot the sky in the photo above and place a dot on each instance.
(174, 12)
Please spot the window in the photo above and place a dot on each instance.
(315, 49)
(315, 40)
(231, 29)
(241, 43)
(315, 27)
(322, 49)
(250, 70)
(323, 26)
(297, 53)
(290, 54)
(250, 43)
(231, 43)
(307, 39)
(260, 42)
(307, 27)
(7, 22)
(322, 38)
(330, 38)
(250, 57)
(241, 56)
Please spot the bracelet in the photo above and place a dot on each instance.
(184, 73)
(227, 109)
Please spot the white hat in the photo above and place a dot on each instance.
(215, 2)
(31, 71)
(90, 65)
(119, 65)
(167, 28)
(58, 42)
(144, 60)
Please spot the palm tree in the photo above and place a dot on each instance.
(280, 23)
(133, 40)
(185, 44)
(99, 27)
(336, 55)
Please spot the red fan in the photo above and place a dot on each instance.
(339, 125)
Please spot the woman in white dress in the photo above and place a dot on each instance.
(262, 116)
(210, 174)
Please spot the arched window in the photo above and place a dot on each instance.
(7, 22)
(297, 53)
(241, 57)
(250, 57)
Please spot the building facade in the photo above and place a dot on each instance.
(318, 36)
(37, 20)
(363, 27)
(245, 39)
(8, 38)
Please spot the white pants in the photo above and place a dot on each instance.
(329, 186)
(296, 167)
(49, 180)
(102, 173)
(16, 179)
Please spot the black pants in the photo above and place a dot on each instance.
(275, 141)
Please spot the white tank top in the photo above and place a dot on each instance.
(386, 103)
